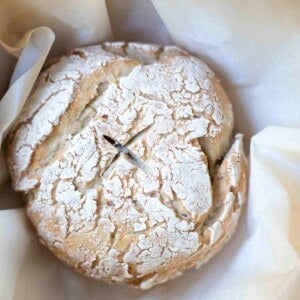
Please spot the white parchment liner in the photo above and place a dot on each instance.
(254, 46)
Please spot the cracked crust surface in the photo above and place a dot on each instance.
(93, 207)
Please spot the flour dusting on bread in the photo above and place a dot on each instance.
(108, 217)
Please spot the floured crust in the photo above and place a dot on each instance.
(97, 210)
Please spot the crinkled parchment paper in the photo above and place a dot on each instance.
(254, 46)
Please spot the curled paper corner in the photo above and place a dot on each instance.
(17, 48)
(275, 167)
(32, 51)
(280, 138)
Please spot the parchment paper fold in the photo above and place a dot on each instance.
(254, 46)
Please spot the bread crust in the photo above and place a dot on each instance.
(97, 210)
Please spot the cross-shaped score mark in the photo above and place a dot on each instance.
(135, 160)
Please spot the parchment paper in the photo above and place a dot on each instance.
(254, 46)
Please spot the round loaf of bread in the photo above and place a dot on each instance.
(124, 153)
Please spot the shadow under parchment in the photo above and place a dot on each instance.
(130, 22)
